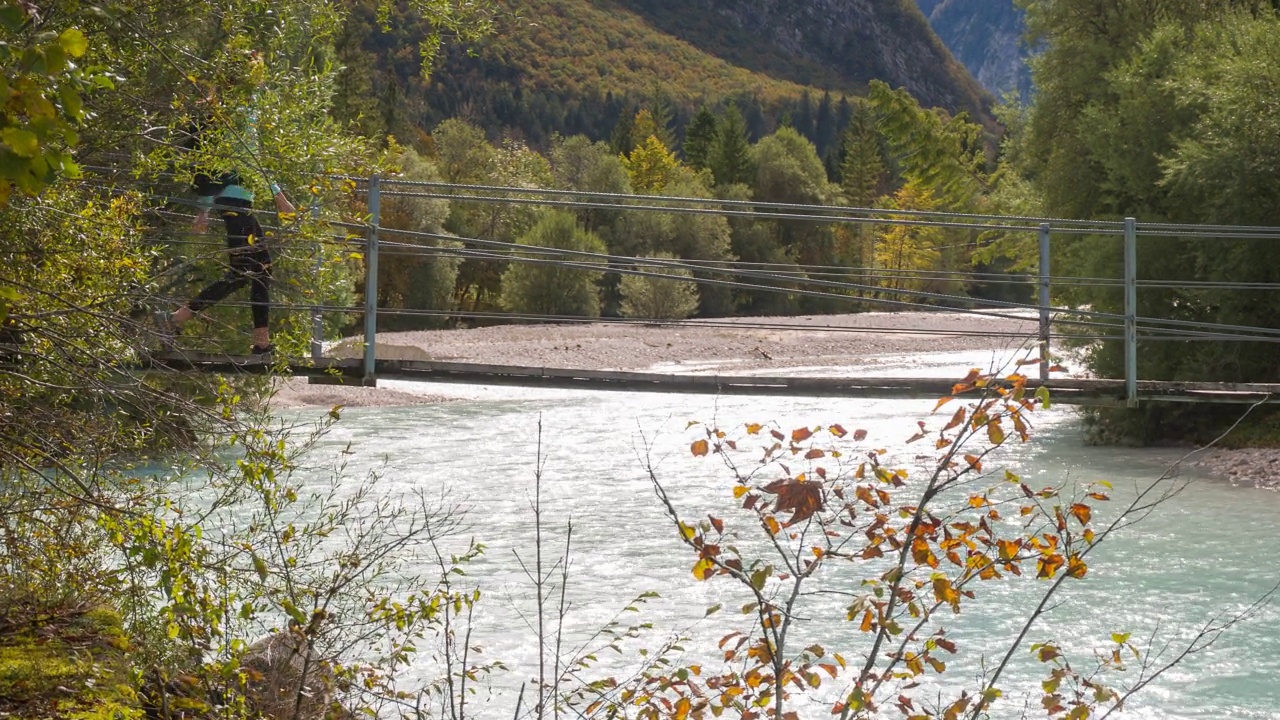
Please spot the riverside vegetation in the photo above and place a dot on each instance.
(127, 589)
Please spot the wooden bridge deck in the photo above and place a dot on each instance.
(351, 372)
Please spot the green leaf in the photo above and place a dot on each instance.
(1042, 394)
(72, 105)
(22, 143)
(12, 17)
(260, 565)
(1119, 638)
(73, 42)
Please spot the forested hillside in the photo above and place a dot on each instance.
(570, 66)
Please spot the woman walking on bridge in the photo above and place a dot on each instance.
(226, 193)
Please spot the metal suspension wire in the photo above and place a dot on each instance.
(821, 283)
(680, 265)
(752, 214)
(850, 211)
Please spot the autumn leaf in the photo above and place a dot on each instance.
(1076, 567)
(754, 429)
(814, 454)
(717, 523)
(740, 490)
(956, 420)
(945, 592)
(1008, 549)
(995, 433)
(859, 435)
(801, 434)
(922, 553)
(802, 499)
(837, 430)
(867, 620)
(1082, 512)
(699, 448)
(1049, 565)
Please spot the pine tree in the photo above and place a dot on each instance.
(623, 139)
(699, 137)
(862, 171)
(730, 156)
(664, 117)
(826, 132)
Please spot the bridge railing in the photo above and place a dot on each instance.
(1055, 323)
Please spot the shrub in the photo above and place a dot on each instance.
(644, 296)
(536, 284)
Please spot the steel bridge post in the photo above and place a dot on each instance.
(1131, 311)
(317, 320)
(1044, 302)
(371, 279)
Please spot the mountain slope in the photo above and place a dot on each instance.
(576, 66)
(827, 44)
(985, 35)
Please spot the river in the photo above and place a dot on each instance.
(1210, 550)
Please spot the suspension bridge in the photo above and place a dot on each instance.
(859, 287)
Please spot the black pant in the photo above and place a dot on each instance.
(250, 262)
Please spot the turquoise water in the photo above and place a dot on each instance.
(1210, 550)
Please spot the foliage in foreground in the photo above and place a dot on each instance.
(822, 513)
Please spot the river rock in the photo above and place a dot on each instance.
(1258, 467)
(281, 664)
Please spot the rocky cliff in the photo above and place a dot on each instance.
(985, 35)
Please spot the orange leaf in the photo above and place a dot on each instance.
(1076, 567)
(837, 431)
(1049, 565)
(699, 448)
(772, 524)
(867, 619)
(956, 419)
(942, 402)
(1009, 549)
(922, 553)
(754, 429)
(801, 434)
(814, 454)
(1082, 512)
